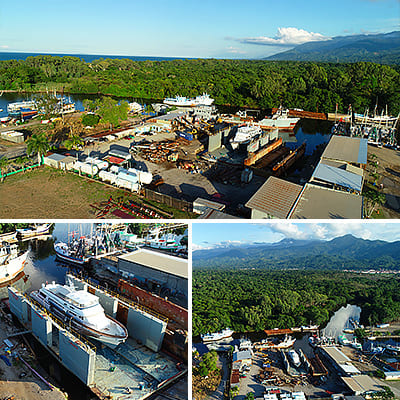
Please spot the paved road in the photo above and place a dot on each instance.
(222, 363)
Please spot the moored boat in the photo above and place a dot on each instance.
(82, 311)
(8, 236)
(38, 229)
(69, 253)
(12, 261)
(211, 337)
(182, 101)
(280, 120)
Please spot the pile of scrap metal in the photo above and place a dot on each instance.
(225, 174)
(158, 152)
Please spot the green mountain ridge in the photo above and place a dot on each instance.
(378, 48)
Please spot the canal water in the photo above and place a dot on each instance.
(312, 132)
(41, 265)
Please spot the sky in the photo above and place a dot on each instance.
(207, 236)
(186, 28)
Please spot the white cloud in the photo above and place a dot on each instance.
(286, 37)
(4, 46)
(289, 230)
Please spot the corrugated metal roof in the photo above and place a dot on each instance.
(337, 355)
(321, 203)
(349, 149)
(159, 261)
(56, 157)
(337, 176)
(241, 355)
(275, 197)
(362, 383)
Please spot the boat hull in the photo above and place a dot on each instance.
(109, 340)
(11, 269)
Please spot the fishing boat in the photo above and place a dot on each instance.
(82, 311)
(267, 344)
(12, 261)
(32, 231)
(21, 105)
(71, 253)
(167, 241)
(212, 337)
(182, 101)
(280, 120)
(343, 340)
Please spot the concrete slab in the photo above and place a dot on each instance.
(136, 367)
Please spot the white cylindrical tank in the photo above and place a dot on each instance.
(143, 177)
(89, 169)
(106, 176)
(128, 177)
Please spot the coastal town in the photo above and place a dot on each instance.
(300, 363)
(113, 319)
(185, 158)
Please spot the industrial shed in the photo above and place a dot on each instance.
(156, 268)
(348, 149)
(318, 202)
(274, 199)
(337, 178)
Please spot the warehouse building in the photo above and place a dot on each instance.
(156, 269)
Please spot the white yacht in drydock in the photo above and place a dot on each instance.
(245, 133)
(83, 310)
(12, 261)
(212, 337)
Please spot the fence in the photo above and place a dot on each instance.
(168, 200)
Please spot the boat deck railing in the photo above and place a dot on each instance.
(122, 298)
(59, 322)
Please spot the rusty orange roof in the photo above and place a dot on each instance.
(276, 197)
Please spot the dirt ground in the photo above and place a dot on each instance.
(389, 178)
(24, 387)
(49, 193)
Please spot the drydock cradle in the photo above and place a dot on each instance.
(134, 370)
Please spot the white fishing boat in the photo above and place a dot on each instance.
(164, 241)
(69, 253)
(285, 343)
(12, 261)
(36, 230)
(182, 101)
(82, 311)
(280, 120)
(212, 337)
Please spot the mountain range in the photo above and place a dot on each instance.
(381, 48)
(342, 252)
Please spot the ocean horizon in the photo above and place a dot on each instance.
(6, 56)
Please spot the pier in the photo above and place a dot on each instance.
(135, 370)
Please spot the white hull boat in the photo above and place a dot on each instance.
(12, 262)
(82, 311)
(213, 337)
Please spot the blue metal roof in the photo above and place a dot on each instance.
(362, 152)
(338, 176)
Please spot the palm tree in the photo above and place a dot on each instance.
(3, 164)
(38, 143)
(74, 142)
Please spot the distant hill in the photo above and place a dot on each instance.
(379, 48)
(342, 252)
